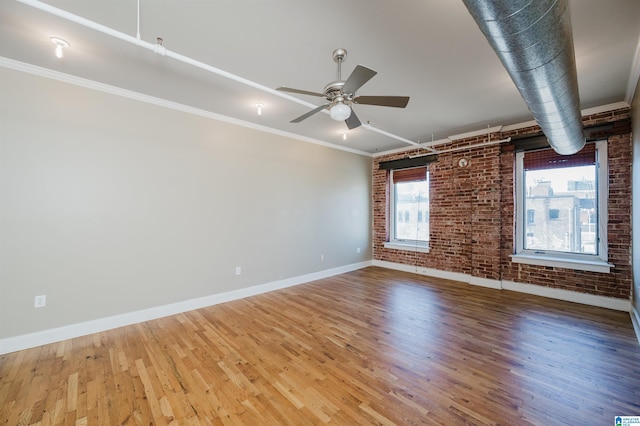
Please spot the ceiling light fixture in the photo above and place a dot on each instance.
(259, 108)
(60, 44)
(63, 14)
(340, 111)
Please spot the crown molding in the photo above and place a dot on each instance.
(129, 94)
(588, 111)
(517, 126)
(605, 108)
(634, 76)
(479, 132)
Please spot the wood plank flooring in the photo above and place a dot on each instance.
(373, 346)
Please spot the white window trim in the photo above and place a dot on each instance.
(592, 263)
(558, 262)
(421, 246)
(399, 244)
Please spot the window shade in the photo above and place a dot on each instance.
(417, 174)
(549, 159)
(405, 163)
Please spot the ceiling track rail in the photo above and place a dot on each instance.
(160, 49)
(401, 139)
(473, 146)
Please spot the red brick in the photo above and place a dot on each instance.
(472, 223)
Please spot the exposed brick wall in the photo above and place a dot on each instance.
(472, 214)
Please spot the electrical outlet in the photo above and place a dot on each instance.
(358, 250)
(40, 301)
(322, 258)
(238, 270)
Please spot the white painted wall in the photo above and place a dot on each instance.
(110, 205)
(635, 214)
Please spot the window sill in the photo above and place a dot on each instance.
(407, 247)
(558, 262)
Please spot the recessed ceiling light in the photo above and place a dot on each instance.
(60, 44)
(259, 108)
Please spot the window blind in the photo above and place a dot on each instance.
(416, 174)
(549, 159)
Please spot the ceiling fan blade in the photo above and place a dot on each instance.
(309, 114)
(388, 101)
(358, 78)
(353, 121)
(301, 92)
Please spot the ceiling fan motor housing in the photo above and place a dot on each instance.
(333, 92)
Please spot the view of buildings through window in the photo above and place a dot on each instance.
(411, 210)
(561, 210)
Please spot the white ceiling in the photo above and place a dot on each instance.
(430, 50)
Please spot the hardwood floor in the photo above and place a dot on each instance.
(373, 346)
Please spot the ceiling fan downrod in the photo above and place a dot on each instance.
(339, 55)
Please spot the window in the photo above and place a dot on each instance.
(561, 208)
(531, 215)
(410, 207)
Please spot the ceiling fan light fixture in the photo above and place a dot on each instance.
(340, 111)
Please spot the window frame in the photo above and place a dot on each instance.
(398, 243)
(579, 261)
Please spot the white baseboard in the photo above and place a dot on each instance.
(430, 272)
(553, 293)
(486, 282)
(12, 344)
(570, 296)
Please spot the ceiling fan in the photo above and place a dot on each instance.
(341, 94)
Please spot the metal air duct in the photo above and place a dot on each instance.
(534, 41)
